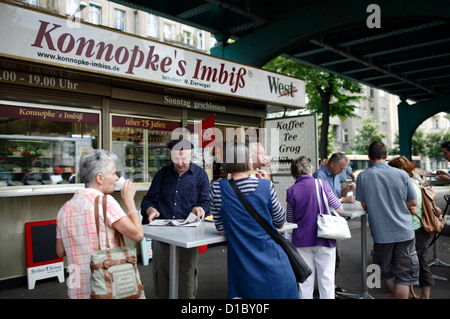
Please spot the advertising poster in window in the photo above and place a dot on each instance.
(140, 144)
(289, 138)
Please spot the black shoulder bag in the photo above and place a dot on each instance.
(299, 266)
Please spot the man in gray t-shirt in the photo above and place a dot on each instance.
(387, 194)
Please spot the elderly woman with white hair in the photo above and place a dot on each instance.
(302, 209)
(76, 235)
(258, 268)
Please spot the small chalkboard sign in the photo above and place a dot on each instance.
(41, 243)
(41, 251)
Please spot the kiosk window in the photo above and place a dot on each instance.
(141, 146)
(41, 146)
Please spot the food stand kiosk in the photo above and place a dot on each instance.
(67, 88)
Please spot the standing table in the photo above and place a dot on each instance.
(353, 210)
(187, 237)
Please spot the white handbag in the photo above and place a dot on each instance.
(331, 225)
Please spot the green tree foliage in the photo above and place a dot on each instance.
(424, 144)
(418, 143)
(434, 141)
(328, 95)
(368, 134)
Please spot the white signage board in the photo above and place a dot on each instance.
(289, 138)
(37, 36)
(45, 271)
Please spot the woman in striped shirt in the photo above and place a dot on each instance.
(302, 209)
(258, 268)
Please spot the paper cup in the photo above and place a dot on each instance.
(120, 182)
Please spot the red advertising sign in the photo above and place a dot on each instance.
(206, 135)
(137, 122)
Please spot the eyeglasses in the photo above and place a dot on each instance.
(338, 167)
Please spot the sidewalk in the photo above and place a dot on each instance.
(213, 273)
(350, 272)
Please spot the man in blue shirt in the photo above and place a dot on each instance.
(176, 190)
(345, 173)
(330, 173)
(387, 195)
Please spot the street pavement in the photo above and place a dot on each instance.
(212, 278)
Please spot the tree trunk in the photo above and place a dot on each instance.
(325, 96)
(323, 149)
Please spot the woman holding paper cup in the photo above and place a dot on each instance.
(76, 235)
(258, 268)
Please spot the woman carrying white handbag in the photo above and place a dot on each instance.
(302, 209)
